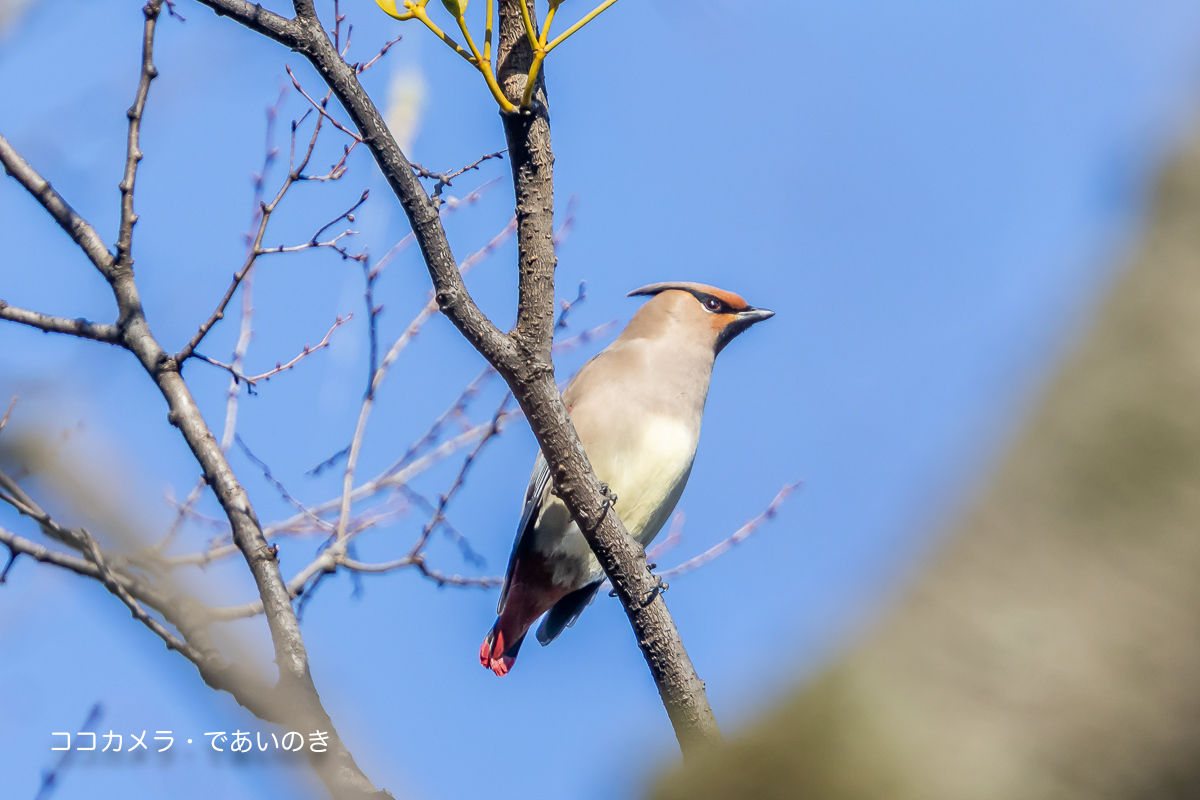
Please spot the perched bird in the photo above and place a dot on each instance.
(636, 407)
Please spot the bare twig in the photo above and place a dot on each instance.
(320, 107)
(405, 468)
(456, 409)
(75, 226)
(566, 306)
(458, 537)
(254, 250)
(52, 776)
(439, 513)
(449, 205)
(740, 535)
(307, 351)
(361, 68)
(133, 150)
(377, 375)
(253, 380)
(7, 413)
(395, 476)
(674, 537)
(440, 578)
(568, 223)
(332, 244)
(444, 178)
(291, 500)
(582, 338)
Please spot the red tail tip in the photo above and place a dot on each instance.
(491, 654)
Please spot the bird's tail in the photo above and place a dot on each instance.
(499, 649)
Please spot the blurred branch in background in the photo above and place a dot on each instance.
(52, 778)
(1052, 649)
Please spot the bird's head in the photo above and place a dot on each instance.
(706, 312)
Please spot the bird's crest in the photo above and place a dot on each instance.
(700, 291)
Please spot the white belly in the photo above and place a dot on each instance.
(647, 472)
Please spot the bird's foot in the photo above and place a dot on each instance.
(660, 586)
(609, 501)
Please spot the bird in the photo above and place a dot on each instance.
(637, 407)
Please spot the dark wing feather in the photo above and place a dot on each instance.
(565, 612)
(533, 501)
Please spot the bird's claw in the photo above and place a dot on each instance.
(609, 501)
(660, 586)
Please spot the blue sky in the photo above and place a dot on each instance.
(929, 194)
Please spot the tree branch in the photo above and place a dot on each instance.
(532, 159)
(99, 332)
(252, 15)
(133, 150)
(75, 226)
(255, 249)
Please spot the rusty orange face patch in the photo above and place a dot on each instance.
(734, 301)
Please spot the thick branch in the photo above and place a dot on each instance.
(75, 226)
(532, 160)
(283, 30)
(75, 327)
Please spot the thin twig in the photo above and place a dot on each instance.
(565, 306)
(133, 150)
(332, 244)
(459, 479)
(740, 535)
(444, 178)
(254, 250)
(568, 223)
(361, 68)
(449, 205)
(288, 496)
(52, 776)
(8, 412)
(320, 107)
(252, 380)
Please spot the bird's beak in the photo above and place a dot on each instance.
(741, 321)
(750, 316)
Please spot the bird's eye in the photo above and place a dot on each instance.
(712, 304)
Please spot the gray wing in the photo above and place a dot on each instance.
(533, 501)
(566, 611)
